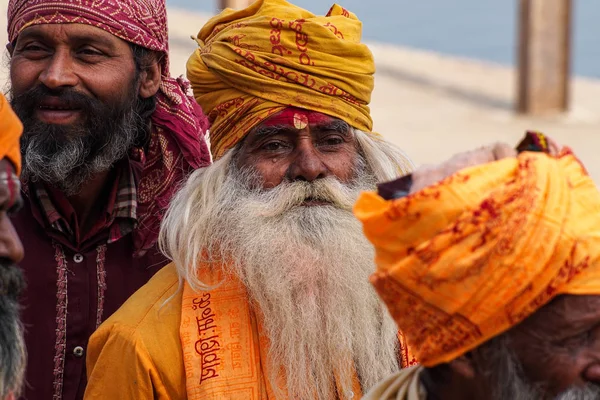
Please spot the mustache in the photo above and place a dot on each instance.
(289, 195)
(27, 102)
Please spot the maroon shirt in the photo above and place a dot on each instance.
(75, 282)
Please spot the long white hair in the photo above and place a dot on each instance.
(184, 232)
(305, 269)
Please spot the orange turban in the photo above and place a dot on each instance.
(462, 261)
(253, 63)
(10, 134)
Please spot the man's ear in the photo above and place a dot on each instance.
(463, 366)
(150, 80)
(10, 48)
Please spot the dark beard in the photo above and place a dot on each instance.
(501, 367)
(12, 347)
(65, 157)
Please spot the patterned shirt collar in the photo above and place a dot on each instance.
(120, 212)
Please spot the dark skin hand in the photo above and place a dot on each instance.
(85, 59)
(284, 153)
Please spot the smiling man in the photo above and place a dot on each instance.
(107, 137)
(271, 220)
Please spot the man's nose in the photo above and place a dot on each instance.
(307, 164)
(59, 72)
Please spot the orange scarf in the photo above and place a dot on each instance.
(224, 349)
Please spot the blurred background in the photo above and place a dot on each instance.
(482, 29)
(448, 76)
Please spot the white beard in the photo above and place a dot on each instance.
(306, 270)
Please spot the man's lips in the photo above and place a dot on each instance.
(311, 202)
(55, 111)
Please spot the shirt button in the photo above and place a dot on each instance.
(78, 351)
(78, 258)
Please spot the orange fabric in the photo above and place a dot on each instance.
(224, 349)
(253, 63)
(466, 259)
(10, 134)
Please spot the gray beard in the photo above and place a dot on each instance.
(504, 373)
(12, 344)
(74, 163)
(306, 271)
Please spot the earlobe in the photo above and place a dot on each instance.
(463, 366)
(150, 81)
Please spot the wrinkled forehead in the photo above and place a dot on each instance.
(10, 185)
(298, 118)
(564, 314)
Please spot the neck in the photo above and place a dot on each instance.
(94, 192)
(454, 387)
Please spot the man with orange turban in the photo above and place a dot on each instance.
(268, 295)
(108, 137)
(12, 343)
(493, 275)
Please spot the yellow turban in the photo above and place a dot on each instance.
(462, 261)
(253, 63)
(10, 134)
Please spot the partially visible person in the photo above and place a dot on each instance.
(108, 137)
(294, 315)
(12, 344)
(493, 274)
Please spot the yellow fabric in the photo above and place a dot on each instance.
(224, 348)
(136, 353)
(466, 259)
(143, 351)
(253, 63)
(403, 385)
(10, 134)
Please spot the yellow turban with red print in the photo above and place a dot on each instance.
(10, 134)
(253, 63)
(462, 261)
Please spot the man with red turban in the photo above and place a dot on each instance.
(108, 136)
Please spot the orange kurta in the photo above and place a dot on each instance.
(138, 354)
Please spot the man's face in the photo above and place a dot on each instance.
(75, 88)
(12, 348)
(75, 58)
(553, 354)
(559, 346)
(298, 145)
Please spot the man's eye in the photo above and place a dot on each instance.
(273, 146)
(90, 52)
(33, 49)
(332, 141)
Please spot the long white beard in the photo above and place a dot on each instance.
(306, 270)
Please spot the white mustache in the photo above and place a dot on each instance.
(288, 195)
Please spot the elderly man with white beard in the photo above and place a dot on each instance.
(268, 294)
